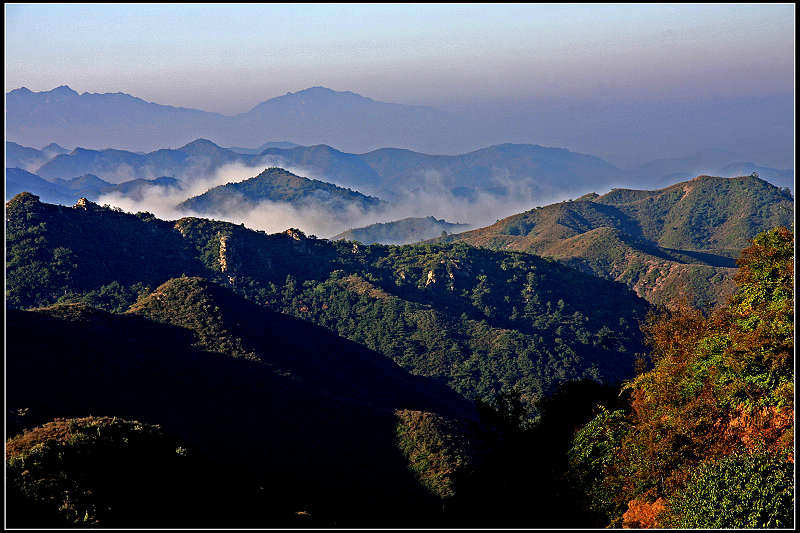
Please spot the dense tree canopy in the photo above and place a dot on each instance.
(716, 409)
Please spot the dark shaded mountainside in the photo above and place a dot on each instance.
(103, 471)
(279, 185)
(222, 374)
(354, 411)
(405, 231)
(478, 320)
(668, 244)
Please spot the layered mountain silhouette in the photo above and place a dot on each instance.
(667, 244)
(503, 171)
(357, 124)
(662, 172)
(270, 144)
(200, 158)
(515, 172)
(26, 158)
(69, 191)
(312, 116)
(520, 170)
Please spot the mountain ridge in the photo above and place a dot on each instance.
(653, 240)
(478, 320)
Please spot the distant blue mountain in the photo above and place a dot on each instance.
(312, 116)
(663, 172)
(68, 191)
(198, 158)
(357, 124)
(254, 151)
(520, 171)
(27, 158)
(19, 180)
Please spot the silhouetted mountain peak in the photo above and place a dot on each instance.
(324, 92)
(199, 145)
(54, 146)
(20, 92)
(317, 98)
(63, 90)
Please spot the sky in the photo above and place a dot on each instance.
(227, 58)
(489, 59)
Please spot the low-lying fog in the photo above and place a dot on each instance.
(428, 196)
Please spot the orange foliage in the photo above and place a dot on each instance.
(641, 514)
(766, 425)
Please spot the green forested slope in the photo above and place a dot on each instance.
(287, 405)
(405, 231)
(706, 438)
(481, 321)
(668, 245)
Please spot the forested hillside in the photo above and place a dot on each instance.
(481, 321)
(673, 244)
(707, 437)
(405, 231)
(290, 407)
(439, 377)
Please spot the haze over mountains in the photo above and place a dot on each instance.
(354, 123)
(276, 189)
(379, 348)
(400, 266)
(89, 186)
(476, 188)
(312, 116)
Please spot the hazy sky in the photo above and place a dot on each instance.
(227, 58)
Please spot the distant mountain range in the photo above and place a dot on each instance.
(391, 173)
(61, 191)
(522, 173)
(318, 115)
(27, 158)
(405, 231)
(662, 172)
(312, 116)
(518, 170)
(199, 158)
(666, 244)
(271, 144)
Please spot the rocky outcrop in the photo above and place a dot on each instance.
(227, 262)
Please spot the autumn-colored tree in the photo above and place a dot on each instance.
(720, 390)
